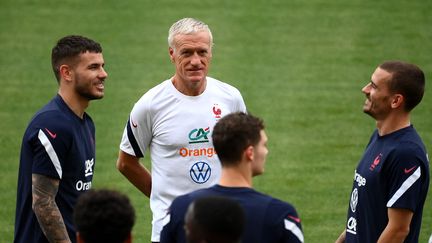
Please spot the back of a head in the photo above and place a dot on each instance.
(104, 216)
(408, 80)
(214, 220)
(233, 133)
(187, 26)
(68, 48)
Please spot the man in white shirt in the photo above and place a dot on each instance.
(175, 120)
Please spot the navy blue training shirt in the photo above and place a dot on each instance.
(267, 219)
(393, 173)
(60, 145)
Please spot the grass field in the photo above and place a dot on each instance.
(299, 64)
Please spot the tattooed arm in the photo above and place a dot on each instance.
(44, 190)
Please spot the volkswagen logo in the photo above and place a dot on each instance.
(354, 200)
(200, 172)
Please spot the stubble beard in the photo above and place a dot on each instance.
(85, 91)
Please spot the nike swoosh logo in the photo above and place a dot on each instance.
(134, 124)
(294, 218)
(53, 135)
(409, 170)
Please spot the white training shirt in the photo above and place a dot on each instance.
(177, 129)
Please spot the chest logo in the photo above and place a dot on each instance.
(89, 167)
(352, 226)
(376, 162)
(359, 179)
(200, 172)
(217, 111)
(354, 200)
(199, 135)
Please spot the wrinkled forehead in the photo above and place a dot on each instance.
(198, 39)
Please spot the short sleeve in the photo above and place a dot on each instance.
(289, 223)
(49, 139)
(405, 173)
(241, 106)
(137, 134)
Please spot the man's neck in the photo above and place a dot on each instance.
(77, 105)
(236, 177)
(393, 123)
(189, 89)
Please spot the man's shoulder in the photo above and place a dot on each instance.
(158, 91)
(278, 204)
(220, 84)
(406, 138)
(54, 121)
(51, 116)
(189, 197)
(226, 92)
(408, 145)
(158, 88)
(183, 201)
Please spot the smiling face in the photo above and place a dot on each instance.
(191, 56)
(89, 76)
(378, 96)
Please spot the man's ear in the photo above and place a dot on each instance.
(171, 53)
(249, 153)
(65, 72)
(397, 101)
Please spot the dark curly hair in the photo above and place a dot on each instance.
(104, 216)
(215, 219)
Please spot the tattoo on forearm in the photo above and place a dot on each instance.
(44, 190)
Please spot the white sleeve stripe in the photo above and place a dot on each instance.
(294, 229)
(405, 186)
(51, 152)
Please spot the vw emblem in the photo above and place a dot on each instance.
(354, 200)
(200, 172)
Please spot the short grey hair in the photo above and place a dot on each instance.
(187, 26)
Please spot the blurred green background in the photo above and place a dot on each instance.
(300, 65)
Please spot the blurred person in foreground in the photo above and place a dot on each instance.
(174, 120)
(241, 144)
(392, 179)
(104, 216)
(58, 149)
(214, 219)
